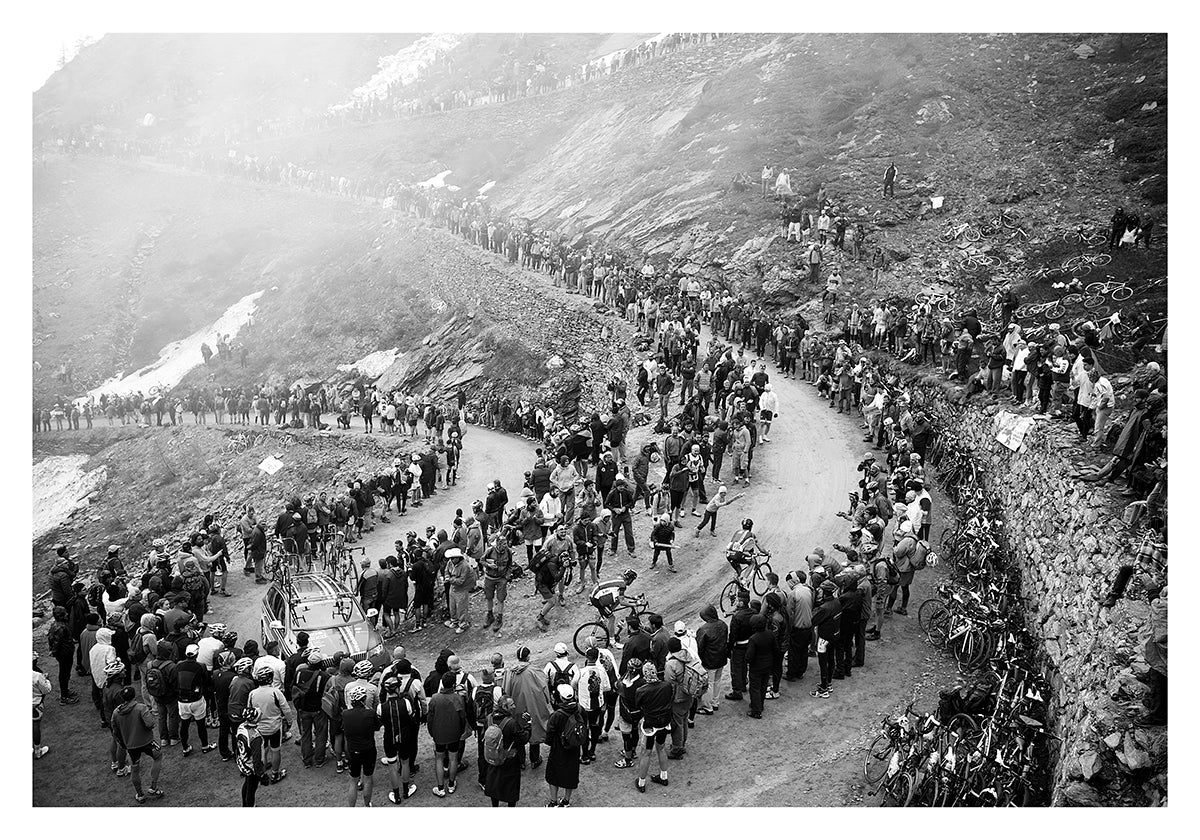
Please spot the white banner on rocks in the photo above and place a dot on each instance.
(1011, 428)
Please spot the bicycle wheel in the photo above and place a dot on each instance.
(1093, 301)
(1071, 237)
(1100, 288)
(945, 305)
(1082, 270)
(584, 631)
(879, 755)
(758, 581)
(949, 539)
(929, 609)
(972, 235)
(1101, 259)
(1071, 299)
(1055, 311)
(1122, 293)
(1071, 263)
(938, 627)
(897, 791)
(729, 597)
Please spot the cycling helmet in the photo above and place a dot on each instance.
(250, 715)
(264, 674)
(363, 670)
(356, 694)
(630, 575)
(748, 524)
(314, 656)
(243, 665)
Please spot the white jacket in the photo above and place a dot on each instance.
(769, 401)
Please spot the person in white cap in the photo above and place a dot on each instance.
(768, 410)
(566, 734)
(560, 670)
(192, 683)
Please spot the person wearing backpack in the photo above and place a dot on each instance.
(592, 685)
(567, 736)
(135, 723)
(653, 702)
(401, 716)
(248, 751)
(159, 675)
(503, 739)
(447, 724)
(560, 670)
(483, 702)
(496, 565)
(308, 691)
(902, 557)
(683, 679)
(193, 684)
(62, 648)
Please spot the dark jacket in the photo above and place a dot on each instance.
(712, 640)
(637, 645)
(763, 645)
(739, 626)
(827, 619)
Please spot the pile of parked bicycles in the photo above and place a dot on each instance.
(987, 744)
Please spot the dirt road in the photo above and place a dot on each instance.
(805, 751)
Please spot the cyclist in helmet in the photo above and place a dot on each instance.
(742, 547)
(274, 717)
(608, 595)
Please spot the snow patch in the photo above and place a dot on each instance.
(179, 357)
(403, 67)
(568, 212)
(373, 364)
(486, 187)
(61, 487)
(437, 181)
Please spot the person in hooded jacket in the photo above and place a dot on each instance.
(504, 780)
(562, 765)
(529, 690)
(712, 648)
(135, 723)
(641, 472)
(760, 652)
(851, 600)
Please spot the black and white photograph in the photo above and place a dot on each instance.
(598, 419)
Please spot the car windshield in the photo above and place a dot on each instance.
(318, 615)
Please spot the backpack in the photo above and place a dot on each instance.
(560, 677)
(920, 558)
(333, 701)
(313, 692)
(893, 576)
(573, 734)
(249, 752)
(156, 682)
(137, 647)
(494, 752)
(594, 689)
(485, 699)
(690, 681)
(539, 559)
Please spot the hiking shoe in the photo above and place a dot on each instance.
(392, 797)
(564, 803)
(187, 750)
(123, 772)
(207, 748)
(412, 790)
(734, 695)
(821, 692)
(139, 798)
(113, 766)
(70, 700)
(439, 792)
(641, 788)
(450, 787)
(157, 793)
(623, 763)
(38, 752)
(901, 611)
(659, 780)
(772, 695)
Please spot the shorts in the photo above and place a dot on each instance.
(766, 415)
(335, 727)
(446, 748)
(152, 749)
(655, 736)
(604, 605)
(272, 740)
(406, 749)
(906, 578)
(195, 710)
(362, 762)
(625, 727)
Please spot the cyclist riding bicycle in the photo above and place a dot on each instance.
(742, 547)
(610, 594)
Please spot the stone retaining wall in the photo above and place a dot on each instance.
(1069, 539)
